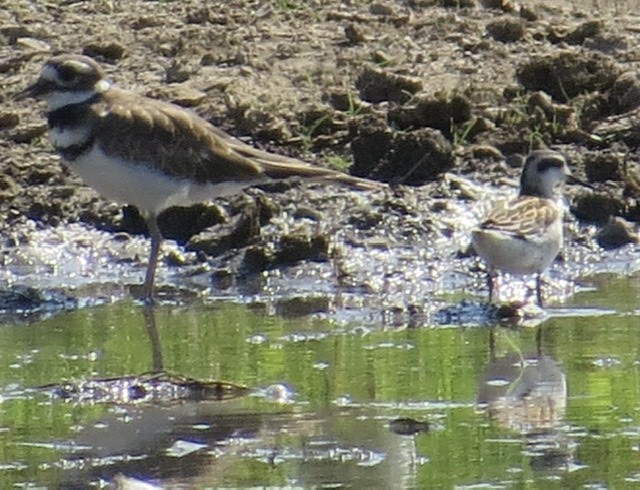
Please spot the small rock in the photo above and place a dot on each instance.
(255, 259)
(623, 127)
(540, 100)
(13, 32)
(32, 44)
(561, 115)
(506, 29)
(307, 213)
(607, 43)
(380, 57)
(407, 426)
(300, 306)
(41, 176)
(9, 120)
(528, 13)
(132, 221)
(217, 238)
(175, 258)
(458, 3)
(176, 73)
(109, 52)
(147, 21)
(344, 101)
(515, 160)
(317, 119)
(585, 30)
(354, 34)
(625, 93)
(616, 233)
(378, 8)
(486, 152)
(568, 74)
(631, 176)
(24, 299)
(437, 112)
(603, 166)
(296, 247)
(181, 224)
(25, 134)
(8, 187)
(222, 278)
(206, 15)
(595, 208)
(511, 312)
(257, 122)
(380, 85)
(182, 95)
(364, 218)
(411, 158)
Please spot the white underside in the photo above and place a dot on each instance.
(514, 255)
(139, 185)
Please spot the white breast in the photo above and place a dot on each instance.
(512, 254)
(140, 185)
(120, 181)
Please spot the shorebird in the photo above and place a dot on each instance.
(149, 153)
(524, 236)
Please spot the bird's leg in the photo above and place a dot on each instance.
(490, 284)
(539, 289)
(152, 331)
(156, 240)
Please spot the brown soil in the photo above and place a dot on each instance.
(396, 91)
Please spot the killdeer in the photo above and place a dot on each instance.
(525, 235)
(149, 153)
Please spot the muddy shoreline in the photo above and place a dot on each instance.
(435, 100)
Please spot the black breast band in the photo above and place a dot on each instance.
(69, 117)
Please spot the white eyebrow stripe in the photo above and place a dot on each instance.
(48, 72)
(60, 98)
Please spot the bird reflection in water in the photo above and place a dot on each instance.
(154, 386)
(527, 394)
(163, 427)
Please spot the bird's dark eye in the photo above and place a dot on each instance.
(66, 73)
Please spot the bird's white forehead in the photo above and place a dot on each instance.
(48, 72)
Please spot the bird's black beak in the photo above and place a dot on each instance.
(35, 90)
(575, 181)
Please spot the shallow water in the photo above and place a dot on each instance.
(331, 403)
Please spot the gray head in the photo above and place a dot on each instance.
(544, 174)
(66, 80)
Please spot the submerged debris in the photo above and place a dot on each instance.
(20, 303)
(466, 312)
(407, 426)
(155, 387)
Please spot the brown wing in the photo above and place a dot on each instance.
(177, 142)
(181, 144)
(524, 217)
(277, 166)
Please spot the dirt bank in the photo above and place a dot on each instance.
(403, 92)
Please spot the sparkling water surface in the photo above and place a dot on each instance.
(328, 402)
